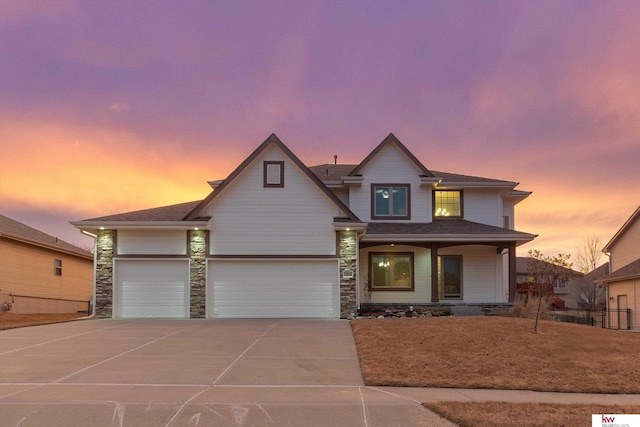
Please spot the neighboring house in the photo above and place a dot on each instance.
(40, 273)
(279, 239)
(582, 291)
(623, 281)
(566, 295)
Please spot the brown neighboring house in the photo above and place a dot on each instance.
(40, 273)
(566, 295)
(623, 281)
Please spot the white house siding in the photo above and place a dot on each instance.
(391, 166)
(630, 288)
(508, 209)
(152, 242)
(481, 282)
(627, 248)
(249, 219)
(483, 206)
(422, 277)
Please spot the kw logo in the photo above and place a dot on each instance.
(608, 419)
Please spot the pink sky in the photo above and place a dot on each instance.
(109, 107)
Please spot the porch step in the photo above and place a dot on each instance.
(466, 310)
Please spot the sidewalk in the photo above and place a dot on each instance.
(423, 395)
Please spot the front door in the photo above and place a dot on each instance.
(623, 317)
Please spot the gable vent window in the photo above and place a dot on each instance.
(57, 267)
(273, 174)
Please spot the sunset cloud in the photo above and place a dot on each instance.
(113, 107)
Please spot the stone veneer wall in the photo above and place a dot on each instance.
(197, 273)
(105, 250)
(348, 251)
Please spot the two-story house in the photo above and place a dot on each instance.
(623, 281)
(279, 239)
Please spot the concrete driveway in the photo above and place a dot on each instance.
(193, 373)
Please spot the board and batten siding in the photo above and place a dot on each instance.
(152, 242)
(391, 166)
(627, 248)
(422, 277)
(249, 219)
(28, 270)
(483, 206)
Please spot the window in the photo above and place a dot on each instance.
(390, 201)
(450, 276)
(391, 271)
(447, 203)
(57, 267)
(273, 174)
(505, 222)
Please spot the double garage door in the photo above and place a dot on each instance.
(235, 288)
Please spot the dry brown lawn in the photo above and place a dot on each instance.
(501, 414)
(497, 353)
(10, 320)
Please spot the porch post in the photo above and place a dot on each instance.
(434, 273)
(512, 271)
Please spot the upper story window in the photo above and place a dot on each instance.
(273, 174)
(390, 201)
(57, 267)
(447, 203)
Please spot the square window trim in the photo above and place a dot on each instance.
(411, 256)
(433, 205)
(387, 217)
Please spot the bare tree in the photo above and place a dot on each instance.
(590, 293)
(546, 273)
(589, 254)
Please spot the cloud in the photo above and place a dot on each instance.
(118, 107)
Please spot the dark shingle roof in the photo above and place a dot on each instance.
(629, 271)
(522, 266)
(164, 213)
(333, 173)
(15, 230)
(441, 227)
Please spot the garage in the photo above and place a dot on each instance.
(273, 288)
(151, 288)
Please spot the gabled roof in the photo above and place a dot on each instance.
(14, 230)
(391, 139)
(623, 229)
(329, 173)
(165, 213)
(629, 271)
(271, 140)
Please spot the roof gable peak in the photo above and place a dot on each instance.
(271, 140)
(391, 139)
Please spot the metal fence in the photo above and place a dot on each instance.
(606, 318)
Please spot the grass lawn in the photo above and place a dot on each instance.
(497, 353)
(500, 414)
(10, 320)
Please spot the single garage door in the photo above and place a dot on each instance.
(273, 288)
(151, 288)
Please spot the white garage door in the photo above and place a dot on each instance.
(151, 288)
(273, 288)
